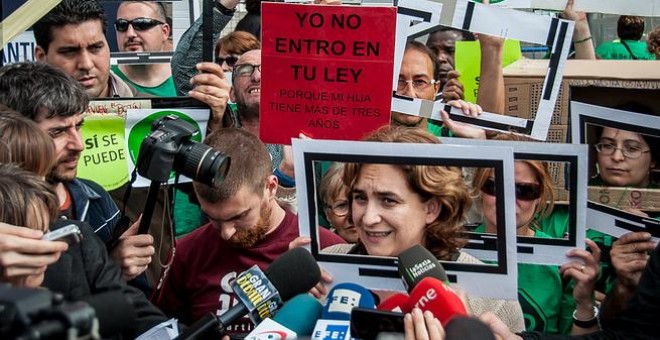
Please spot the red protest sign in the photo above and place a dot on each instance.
(326, 71)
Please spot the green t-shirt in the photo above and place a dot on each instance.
(166, 89)
(615, 50)
(437, 129)
(547, 303)
(556, 226)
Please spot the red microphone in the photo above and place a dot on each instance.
(396, 303)
(433, 295)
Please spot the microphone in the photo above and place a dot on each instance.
(259, 294)
(467, 328)
(271, 330)
(290, 314)
(396, 303)
(343, 297)
(416, 263)
(336, 314)
(432, 295)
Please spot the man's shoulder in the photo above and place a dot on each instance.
(196, 239)
(88, 187)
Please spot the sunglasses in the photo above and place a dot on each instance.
(139, 24)
(524, 191)
(230, 60)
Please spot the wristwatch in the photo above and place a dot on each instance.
(586, 323)
(224, 10)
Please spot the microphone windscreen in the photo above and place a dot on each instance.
(294, 272)
(466, 328)
(416, 263)
(343, 297)
(299, 314)
(432, 295)
(114, 311)
(396, 303)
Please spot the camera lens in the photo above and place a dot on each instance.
(202, 163)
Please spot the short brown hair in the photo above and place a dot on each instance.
(250, 164)
(23, 143)
(23, 193)
(654, 42)
(237, 42)
(630, 27)
(444, 236)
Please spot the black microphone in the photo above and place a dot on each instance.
(417, 263)
(279, 274)
(466, 328)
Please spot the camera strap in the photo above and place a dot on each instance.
(124, 222)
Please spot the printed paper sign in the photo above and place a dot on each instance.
(416, 18)
(104, 158)
(603, 214)
(138, 126)
(326, 71)
(468, 64)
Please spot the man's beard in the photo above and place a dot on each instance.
(247, 113)
(248, 237)
(55, 176)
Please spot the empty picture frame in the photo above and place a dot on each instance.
(416, 18)
(603, 217)
(496, 280)
(549, 251)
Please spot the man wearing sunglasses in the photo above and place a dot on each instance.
(142, 26)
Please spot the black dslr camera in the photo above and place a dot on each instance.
(169, 147)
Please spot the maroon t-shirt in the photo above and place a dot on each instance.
(198, 282)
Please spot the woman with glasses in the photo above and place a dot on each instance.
(625, 159)
(549, 303)
(334, 197)
(396, 206)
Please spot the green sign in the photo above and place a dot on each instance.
(468, 63)
(104, 158)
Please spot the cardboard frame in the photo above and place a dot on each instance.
(601, 217)
(543, 250)
(416, 18)
(495, 281)
(141, 58)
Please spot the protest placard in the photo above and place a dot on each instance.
(468, 64)
(326, 71)
(139, 124)
(493, 280)
(417, 18)
(632, 173)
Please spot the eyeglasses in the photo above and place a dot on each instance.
(230, 60)
(417, 84)
(524, 191)
(245, 70)
(139, 24)
(339, 208)
(629, 150)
